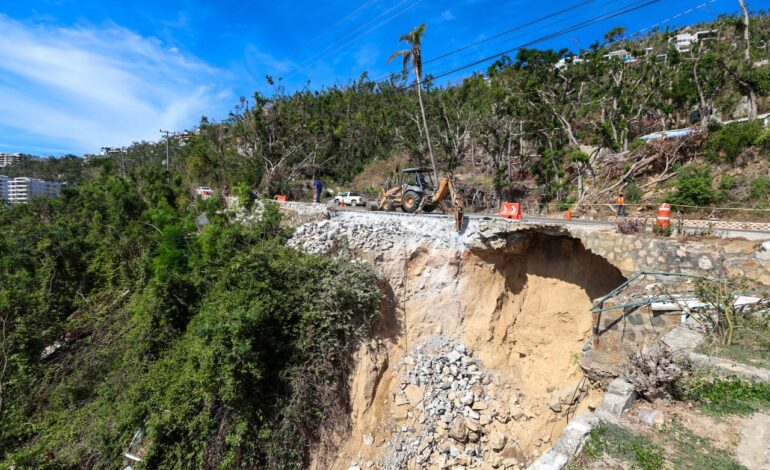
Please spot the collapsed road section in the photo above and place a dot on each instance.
(476, 360)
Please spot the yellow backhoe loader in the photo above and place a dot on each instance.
(415, 192)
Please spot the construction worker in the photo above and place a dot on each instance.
(318, 188)
(621, 205)
(421, 181)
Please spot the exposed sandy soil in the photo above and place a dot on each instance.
(524, 315)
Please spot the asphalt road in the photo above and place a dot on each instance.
(725, 233)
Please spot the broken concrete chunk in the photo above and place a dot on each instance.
(453, 356)
(414, 394)
(498, 442)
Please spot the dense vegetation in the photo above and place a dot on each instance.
(118, 314)
(523, 119)
(530, 126)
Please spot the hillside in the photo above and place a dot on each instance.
(141, 325)
(544, 126)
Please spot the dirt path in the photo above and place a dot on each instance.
(754, 448)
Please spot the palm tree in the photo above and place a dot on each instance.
(414, 56)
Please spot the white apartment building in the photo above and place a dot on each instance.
(4, 187)
(8, 159)
(21, 190)
(683, 42)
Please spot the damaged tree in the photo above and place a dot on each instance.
(652, 371)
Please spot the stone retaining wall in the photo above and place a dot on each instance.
(706, 224)
(646, 252)
(617, 333)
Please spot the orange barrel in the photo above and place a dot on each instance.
(569, 214)
(664, 216)
(281, 198)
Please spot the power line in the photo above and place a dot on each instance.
(508, 31)
(662, 22)
(374, 28)
(552, 15)
(599, 19)
(554, 23)
(345, 39)
(353, 13)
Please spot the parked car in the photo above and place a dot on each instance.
(350, 199)
(204, 192)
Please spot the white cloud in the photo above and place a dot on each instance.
(82, 88)
(447, 16)
(366, 57)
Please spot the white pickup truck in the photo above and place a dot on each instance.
(350, 199)
(204, 192)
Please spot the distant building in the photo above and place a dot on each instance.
(4, 187)
(683, 42)
(621, 54)
(21, 190)
(565, 62)
(8, 159)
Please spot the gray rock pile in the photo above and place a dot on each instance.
(376, 232)
(448, 415)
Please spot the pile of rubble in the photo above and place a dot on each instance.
(448, 412)
(377, 232)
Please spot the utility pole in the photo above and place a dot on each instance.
(169, 134)
(751, 98)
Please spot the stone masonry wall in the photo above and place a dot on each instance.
(646, 252)
(617, 333)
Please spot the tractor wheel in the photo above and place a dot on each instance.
(410, 202)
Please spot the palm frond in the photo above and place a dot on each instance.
(402, 52)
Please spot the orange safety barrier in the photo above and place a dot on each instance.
(281, 197)
(569, 214)
(664, 216)
(510, 210)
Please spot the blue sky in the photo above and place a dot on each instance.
(79, 75)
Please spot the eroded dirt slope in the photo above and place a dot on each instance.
(521, 317)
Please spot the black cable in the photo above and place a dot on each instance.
(509, 31)
(536, 41)
(344, 41)
(517, 28)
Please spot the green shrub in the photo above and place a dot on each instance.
(727, 183)
(726, 396)
(245, 196)
(622, 444)
(694, 188)
(760, 190)
(566, 203)
(731, 140)
(636, 144)
(633, 193)
(763, 139)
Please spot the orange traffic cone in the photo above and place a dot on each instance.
(569, 214)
